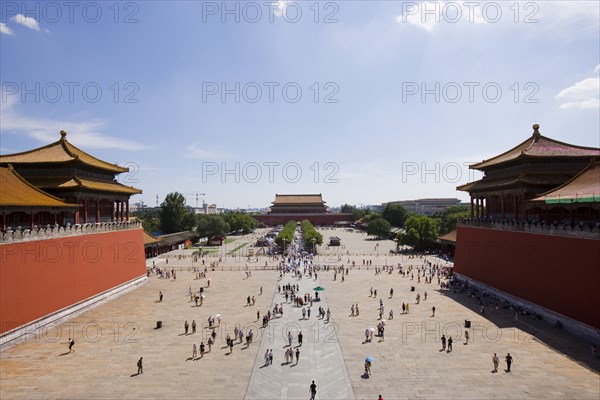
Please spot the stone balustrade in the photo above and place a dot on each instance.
(580, 231)
(18, 234)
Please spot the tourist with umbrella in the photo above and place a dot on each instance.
(368, 362)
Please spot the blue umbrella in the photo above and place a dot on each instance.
(369, 359)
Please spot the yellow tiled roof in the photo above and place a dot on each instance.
(17, 192)
(538, 146)
(298, 199)
(149, 239)
(60, 151)
(76, 182)
(585, 186)
(449, 237)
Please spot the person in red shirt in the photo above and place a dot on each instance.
(380, 398)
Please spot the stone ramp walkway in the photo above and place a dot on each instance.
(321, 358)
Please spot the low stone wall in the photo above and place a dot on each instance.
(581, 231)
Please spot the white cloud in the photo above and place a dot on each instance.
(28, 22)
(565, 19)
(197, 150)
(427, 15)
(279, 7)
(584, 104)
(597, 69)
(84, 134)
(584, 94)
(5, 30)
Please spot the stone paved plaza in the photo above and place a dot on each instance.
(548, 363)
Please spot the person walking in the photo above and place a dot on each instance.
(449, 344)
(495, 361)
(443, 342)
(509, 361)
(313, 390)
(202, 349)
(194, 351)
(466, 337)
(186, 326)
(160, 296)
(433, 311)
(193, 326)
(300, 337)
(71, 344)
(140, 366)
(297, 356)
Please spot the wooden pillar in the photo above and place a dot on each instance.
(112, 210)
(487, 207)
(571, 214)
(127, 210)
(515, 208)
(122, 211)
(472, 207)
(31, 220)
(97, 210)
(85, 210)
(4, 221)
(502, 208)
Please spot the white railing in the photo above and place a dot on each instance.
(18, 234)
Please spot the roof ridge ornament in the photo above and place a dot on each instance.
(63, 134)
(536, 131)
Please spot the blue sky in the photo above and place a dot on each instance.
(362, 101)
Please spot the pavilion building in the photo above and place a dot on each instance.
(534, 232)
(515, 177)
(66, 172)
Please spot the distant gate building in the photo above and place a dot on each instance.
(299, 207)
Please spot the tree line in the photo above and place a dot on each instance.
(173, 216)
(419, 231)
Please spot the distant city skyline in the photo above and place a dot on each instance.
(364, 102)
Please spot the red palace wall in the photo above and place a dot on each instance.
(315, 219)
(40, 277)
(559, 273)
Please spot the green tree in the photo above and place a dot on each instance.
(451, 215)
(240, 222)
(379, 228)
(347, 208)
(395, 214)
(212, 225)
(286, 236)
(150, 219)
(371, 216)
(310, 235)
(421, 231)
(173, 214)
